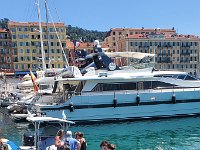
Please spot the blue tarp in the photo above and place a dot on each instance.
(23, 72)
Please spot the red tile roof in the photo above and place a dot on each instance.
(12, 23)
(3, 31)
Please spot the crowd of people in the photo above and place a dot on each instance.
(69, 142)
(65, 141)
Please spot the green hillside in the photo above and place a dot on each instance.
(79, 34)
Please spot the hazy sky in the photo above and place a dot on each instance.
(102, 15)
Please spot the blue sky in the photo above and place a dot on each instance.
(102, 15)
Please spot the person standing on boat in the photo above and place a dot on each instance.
(82, 140)
(74, 144)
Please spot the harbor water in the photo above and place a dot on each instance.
(165, 134)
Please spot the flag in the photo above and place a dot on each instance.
(76, 44)
(33, 78)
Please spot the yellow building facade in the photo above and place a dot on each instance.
(26, 45)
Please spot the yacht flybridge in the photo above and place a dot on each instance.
(109, 93)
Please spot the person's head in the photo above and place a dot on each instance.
(69, 134)
(104, 145)
(60, 133)
(80, 134)
(76, 135)
(111, 146)
(58, 142)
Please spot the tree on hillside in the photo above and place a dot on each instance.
(4, 23)
(83, 35)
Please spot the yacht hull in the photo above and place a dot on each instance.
(127, 105)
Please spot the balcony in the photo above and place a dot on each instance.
(185, 53)
(164, 60)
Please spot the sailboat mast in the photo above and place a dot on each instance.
(47, 26)
(41, 39)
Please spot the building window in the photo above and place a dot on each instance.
(25, 29)
(15, 51)
(14, 36)
(113, 33)
(27, 50)
(27, 44)
(13, 29)
(22, 66)
(19, 29)
(7, 51)
(8, 60)
(33, 50)
(26, 36)
(45, 36)
(114, 44)
(28, 58)
(50, 29)
(16, 66)
(20, 36)
(51, 36)
(51, 43)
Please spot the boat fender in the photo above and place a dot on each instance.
(115, 102)
(173, 99)
(43, 114)
(138, 100)
(71, 107)
(69, 95)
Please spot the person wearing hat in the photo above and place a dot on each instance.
(74, 144)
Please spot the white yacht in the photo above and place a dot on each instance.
(127, 94)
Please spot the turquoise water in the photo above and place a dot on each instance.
(167, 134)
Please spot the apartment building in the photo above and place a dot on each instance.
(172, 51)
(6, 52)
(116, 34)
(26, 45)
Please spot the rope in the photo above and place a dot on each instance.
(57, 35)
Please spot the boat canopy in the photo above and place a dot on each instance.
(135, 55)
(48, 119)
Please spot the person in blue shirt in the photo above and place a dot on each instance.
(74, 144)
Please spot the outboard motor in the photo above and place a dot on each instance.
(28, 139)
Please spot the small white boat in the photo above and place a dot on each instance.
(42, 137)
